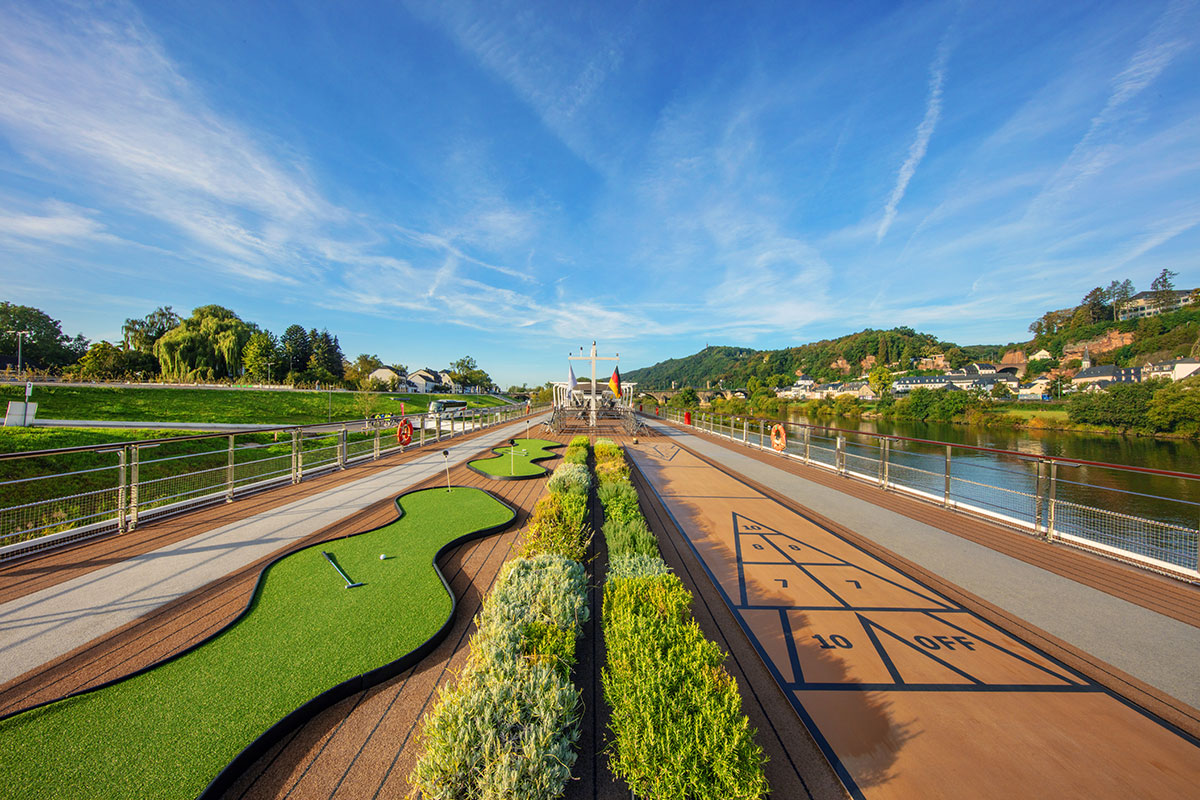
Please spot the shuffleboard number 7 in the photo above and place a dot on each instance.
(783, 581)
(857, 585)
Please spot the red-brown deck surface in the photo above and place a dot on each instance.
(908, 693)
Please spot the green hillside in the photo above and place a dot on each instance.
(736, 365)
(1173, 335)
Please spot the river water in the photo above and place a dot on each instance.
(1152, 515)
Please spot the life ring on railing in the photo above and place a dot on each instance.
(404, 432)
(778, 437)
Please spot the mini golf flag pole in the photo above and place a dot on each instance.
(332, 563)
(446, 459)
(512, 457)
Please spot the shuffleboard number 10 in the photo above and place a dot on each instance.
(837, 639)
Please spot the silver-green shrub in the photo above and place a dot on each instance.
(570, 478)
(508, 728)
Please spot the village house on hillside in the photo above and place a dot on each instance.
(1145, 304)
(1105, 375)
(1175, 370)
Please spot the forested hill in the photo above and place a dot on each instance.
(830, 359)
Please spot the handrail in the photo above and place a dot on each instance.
(1024, 456)
(85, 448)
(1162, 536)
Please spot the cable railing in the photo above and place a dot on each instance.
(50, 498)
(1116, 510)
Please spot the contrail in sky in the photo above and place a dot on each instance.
(916, 152)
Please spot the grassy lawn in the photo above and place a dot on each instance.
(1055, 414)
(234, 406)
(168, 732)
(506, 464)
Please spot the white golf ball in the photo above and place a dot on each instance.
(382, 556)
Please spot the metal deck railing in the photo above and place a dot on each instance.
(50, 498)
(1093, 505)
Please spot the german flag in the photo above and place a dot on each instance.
(614, 383)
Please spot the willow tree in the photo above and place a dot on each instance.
(206, 346)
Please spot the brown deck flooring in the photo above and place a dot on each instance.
(1167, 596)
(985, 715)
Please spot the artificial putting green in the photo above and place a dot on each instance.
(505, 464)
(168, 732)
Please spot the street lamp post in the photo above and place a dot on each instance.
(20, 363)
(269, 365)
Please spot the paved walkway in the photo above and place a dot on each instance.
(1149, 646)
(909, 693)
(53, 621)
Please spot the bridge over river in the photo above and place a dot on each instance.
(887, 644)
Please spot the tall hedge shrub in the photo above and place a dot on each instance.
(508, 727)
(677, 727)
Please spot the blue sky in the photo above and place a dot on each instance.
(512, 180)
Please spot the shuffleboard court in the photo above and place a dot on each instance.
(907, 693)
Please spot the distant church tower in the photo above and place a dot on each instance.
(1087, 360)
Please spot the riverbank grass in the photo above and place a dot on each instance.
(229, 406)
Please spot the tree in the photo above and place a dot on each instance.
(1059, 385)
(102, 361)
(1121, 405)
(880, 379)
(296, 347)
(206, 346)
(1095, 306)
(1163, 288)
(1118, 294)
(847, 405)
(1000, 391)
(686, 398)
(45, 345)
(956, 358)
(360, 369)
(1176, 407)
(262, 358)
(141, 334)
(325, 363)
(466, 372)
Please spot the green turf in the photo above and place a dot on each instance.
(168, 732)
(506, 464)
(233, 406)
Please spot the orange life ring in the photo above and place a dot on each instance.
(404, 432)
(778, 437)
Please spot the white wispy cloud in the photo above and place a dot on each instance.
(59, 223)
(1097, 150)
(94, 100)
(920, 144)
(555, 69)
